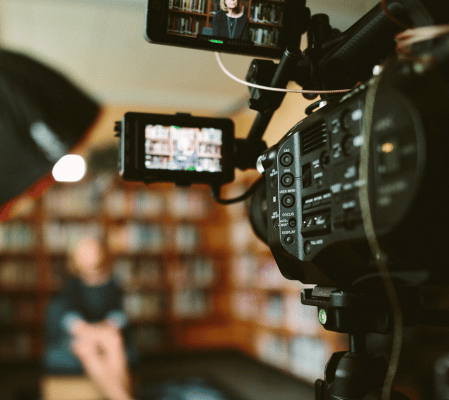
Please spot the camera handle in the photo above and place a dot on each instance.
(355, 374)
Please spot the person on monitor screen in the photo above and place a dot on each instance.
(230, 22)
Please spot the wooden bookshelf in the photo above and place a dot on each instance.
(157, 242)
(194, 274)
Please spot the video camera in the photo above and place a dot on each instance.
(353, 198)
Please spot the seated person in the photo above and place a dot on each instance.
(230, 22)
(88, 314)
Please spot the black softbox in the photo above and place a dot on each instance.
(42, 116)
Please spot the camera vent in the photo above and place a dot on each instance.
(313, 137)
(306, 175)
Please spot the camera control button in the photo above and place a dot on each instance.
(287, 180)
(325, 159)
(292, 222)
(307, 248)
(348, 145)
(289, 239)
(346, 120)
(286, 159)
(288, 200)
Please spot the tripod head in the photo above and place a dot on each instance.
(357, 374)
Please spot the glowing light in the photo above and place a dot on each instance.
(387, 147)
(70, 168)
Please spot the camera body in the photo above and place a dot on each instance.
(175, 148)
(315, 223)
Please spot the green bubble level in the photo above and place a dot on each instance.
(216, 41)
(191, 169)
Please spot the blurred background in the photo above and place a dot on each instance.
(195, 277)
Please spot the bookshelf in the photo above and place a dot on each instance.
(189, 17)
(193, 272)
(156, 240)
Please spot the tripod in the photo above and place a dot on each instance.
(354, 374)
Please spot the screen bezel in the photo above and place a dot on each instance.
(133, 155)
(156, 32)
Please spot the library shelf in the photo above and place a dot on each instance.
(157, 242)
(197, 14)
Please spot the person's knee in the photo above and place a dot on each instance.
(114, 339)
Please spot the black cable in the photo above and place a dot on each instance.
(246, 195)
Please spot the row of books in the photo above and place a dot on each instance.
(139, 204)
(189, 303)
(164, 149)
(206, 162)
(17, 311)
(180, 204)
(17, 237)
(144, 273)
(265, 36)
(18, 274)
(87, 201)
(167, 134)
(60, 236)
(17, 347)
(148, 338)
(306, 357)
(73, 201)
(196, 6)
(276, 310)
(266, 13)
(183, 304)
(183, 25)
(149, 273)
(196, 272)
(188, 204)
(242, 238)
(152, 238)
(143, 306)
(131, 237)
(248, 270)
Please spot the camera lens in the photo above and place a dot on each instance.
(286, 159)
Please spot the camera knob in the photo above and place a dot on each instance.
(265, 160)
